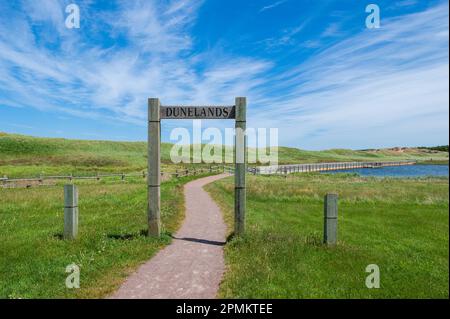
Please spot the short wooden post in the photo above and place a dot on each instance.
(240, 156)
(330, 219)
(70, 211)
(154, 167)
(5, 178)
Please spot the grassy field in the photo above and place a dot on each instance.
(399, 224)
(25, 156)
(111, 240)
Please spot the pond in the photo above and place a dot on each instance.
(400, 171)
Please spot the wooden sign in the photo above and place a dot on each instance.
(198, 112)
(156, 112)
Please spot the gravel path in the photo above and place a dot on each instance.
(192, 266)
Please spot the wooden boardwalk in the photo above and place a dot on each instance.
(321, 167)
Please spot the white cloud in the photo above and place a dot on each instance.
(287, 37)
(332, 30)
(389, 84)
(273, 5)
(87, 80)
(45, 11)
(380, 86)
(404, 3)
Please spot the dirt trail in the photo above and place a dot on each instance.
(192, 265)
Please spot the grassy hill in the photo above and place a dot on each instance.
(27, 156)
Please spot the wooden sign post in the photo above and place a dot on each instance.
(156, 112)
(240, 160)
(154, 168)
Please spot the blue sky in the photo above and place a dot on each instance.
(310, 68)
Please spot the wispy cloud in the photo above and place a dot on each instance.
(273, 5)
(385, 85)
(405, 3)
(115, 82)
(389, 84)
(287, 37)
(332, 30)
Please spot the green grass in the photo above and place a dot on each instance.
(293, 155)
(26, 156)
(111, 241)
(399, 224)
(441, 148)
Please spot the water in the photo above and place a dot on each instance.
(400, 171)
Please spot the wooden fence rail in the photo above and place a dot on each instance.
(259, 170)
(29, 181)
